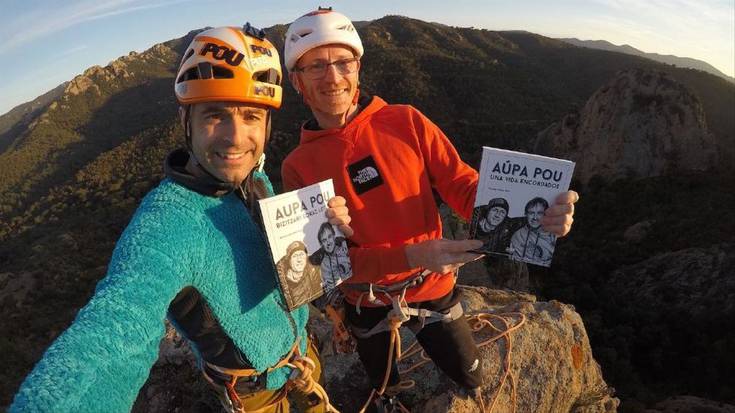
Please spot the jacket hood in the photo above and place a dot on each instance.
(310, 130)
(175, 168)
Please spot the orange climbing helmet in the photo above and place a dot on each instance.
(230, 64)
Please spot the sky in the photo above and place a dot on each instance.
(48, 42)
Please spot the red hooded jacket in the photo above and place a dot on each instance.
(385, 162)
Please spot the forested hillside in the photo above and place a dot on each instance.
(73, 169)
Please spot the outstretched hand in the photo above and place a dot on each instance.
(442, 255)
(559, 217)
(339, 215)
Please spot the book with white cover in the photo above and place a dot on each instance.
(515, 189)
(311, 255)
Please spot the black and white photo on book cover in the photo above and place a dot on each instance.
(514, 191)
(311, 254)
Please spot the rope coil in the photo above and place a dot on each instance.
(302, 380)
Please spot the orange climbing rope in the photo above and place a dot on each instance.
(479, 321)
(396, 316)
(301, 379)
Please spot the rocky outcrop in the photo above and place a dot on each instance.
(175, 383)
(81, 84)
(677, 310)
(689, 282)
(551, 364)
(638, 231)
(642, 123)
(119, 69)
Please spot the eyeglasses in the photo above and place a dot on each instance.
(319, 69)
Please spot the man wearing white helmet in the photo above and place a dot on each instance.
(195, 252)
(386, 160)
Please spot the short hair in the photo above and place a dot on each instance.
(325, 226)
(536, 201)
(497, 202)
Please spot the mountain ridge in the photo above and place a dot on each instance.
(12, 122)
(74, 178)
(686, 62)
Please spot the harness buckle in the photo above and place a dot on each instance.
(399, 313)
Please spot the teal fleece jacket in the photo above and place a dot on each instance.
(177, 238)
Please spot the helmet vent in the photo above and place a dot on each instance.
(230, 64)
(188, 55)
(221, 72)
(268, 76)
(303, 33)
(205, 70)
(190, 74)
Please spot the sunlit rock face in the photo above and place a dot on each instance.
(642, 123)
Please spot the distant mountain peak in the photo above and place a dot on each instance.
(686, 62)
(642, 123)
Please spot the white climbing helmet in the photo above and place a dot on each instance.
(318, 28)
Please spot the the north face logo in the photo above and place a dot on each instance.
(364, 175)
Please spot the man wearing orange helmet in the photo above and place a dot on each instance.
(195, 252)
(386, 160)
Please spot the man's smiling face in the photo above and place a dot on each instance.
(227, 138)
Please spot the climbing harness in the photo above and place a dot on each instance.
(500, 325)
(400, 313)
(300, 378)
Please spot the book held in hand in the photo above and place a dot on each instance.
(311, 255)
(515, 189)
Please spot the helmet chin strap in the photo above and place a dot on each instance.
(267, 129)
(187, 128)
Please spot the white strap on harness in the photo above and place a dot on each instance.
(401, 311)
(387, 290)
(422, 318)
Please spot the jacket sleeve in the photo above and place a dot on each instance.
(103, 359)
(375, 262)
(455, 181)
